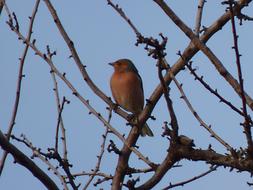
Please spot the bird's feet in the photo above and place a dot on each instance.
(132, 119)
(114, 107)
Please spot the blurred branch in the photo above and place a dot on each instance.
(128, 143)
(170, 159)
(64, 164)
(207, 86)
(60, 119)
(247, 123)
(78, 61)
(173, 123)
(123, 15)
(37, 153)
(59, 109)
(200, 45)
(2, 2)
(196, 115)
(20, 77)
(125, 152)
(23, 160)
(119, 174)
(187, 54)
(211, 157)
(100, 156)
(199, 16)
(81, 98)
(212, 168)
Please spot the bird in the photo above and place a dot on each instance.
(127, 89)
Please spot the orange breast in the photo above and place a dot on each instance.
(127, 91)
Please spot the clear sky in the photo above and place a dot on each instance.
(101, 36)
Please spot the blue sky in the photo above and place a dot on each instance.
(101, 36)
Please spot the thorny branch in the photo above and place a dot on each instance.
(208, 87)
(156, 54)
(196, 115)
(199, 17)
(212, 168)
(173, 123)
(207, 51)
(51, 154)
(59, 107)
(177, 150)
(20, 74)
(37, 153)
(100, 156)
(246, 125)
(59, 120)
(78, 95)
(23, 160)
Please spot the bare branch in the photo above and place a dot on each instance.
(19, 80)
(213, 168)
(196, 115)
(82, 99)
(78, 61)
(36, 153)
(173, 117)
(57, 97)
(23, 160)
(207, 86)
(123, 15)
(199, 16)
(2, 2)
(246, 124)
(59, 120)
(198, 43)
(99, 157)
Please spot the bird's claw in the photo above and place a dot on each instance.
(130, 117)
(114, 107)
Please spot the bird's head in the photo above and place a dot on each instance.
(124, 65)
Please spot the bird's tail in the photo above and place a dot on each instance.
(146, 131)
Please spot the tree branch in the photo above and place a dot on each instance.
(23, 160)
(246, 125)
(199, 17)
(19, 81)
(213, 168)
(200, 45)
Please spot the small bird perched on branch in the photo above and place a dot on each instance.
(127, 89)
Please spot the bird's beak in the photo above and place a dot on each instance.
(112, 64)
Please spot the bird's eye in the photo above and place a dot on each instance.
(119, 63)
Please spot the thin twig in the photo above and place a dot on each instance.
(199, 16)
(26, 162)
(36, 153)
(196, 115)
(19, 81)
(123, 15)
(59, 107)
(78, 61)
(203, 47)
(192, 179)
(2, 2)
(58, 125)
(100, 174)
(81, 98)
(57, 97)
(99, 157)
(173, 118)
(208, 87)
(246, 125)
